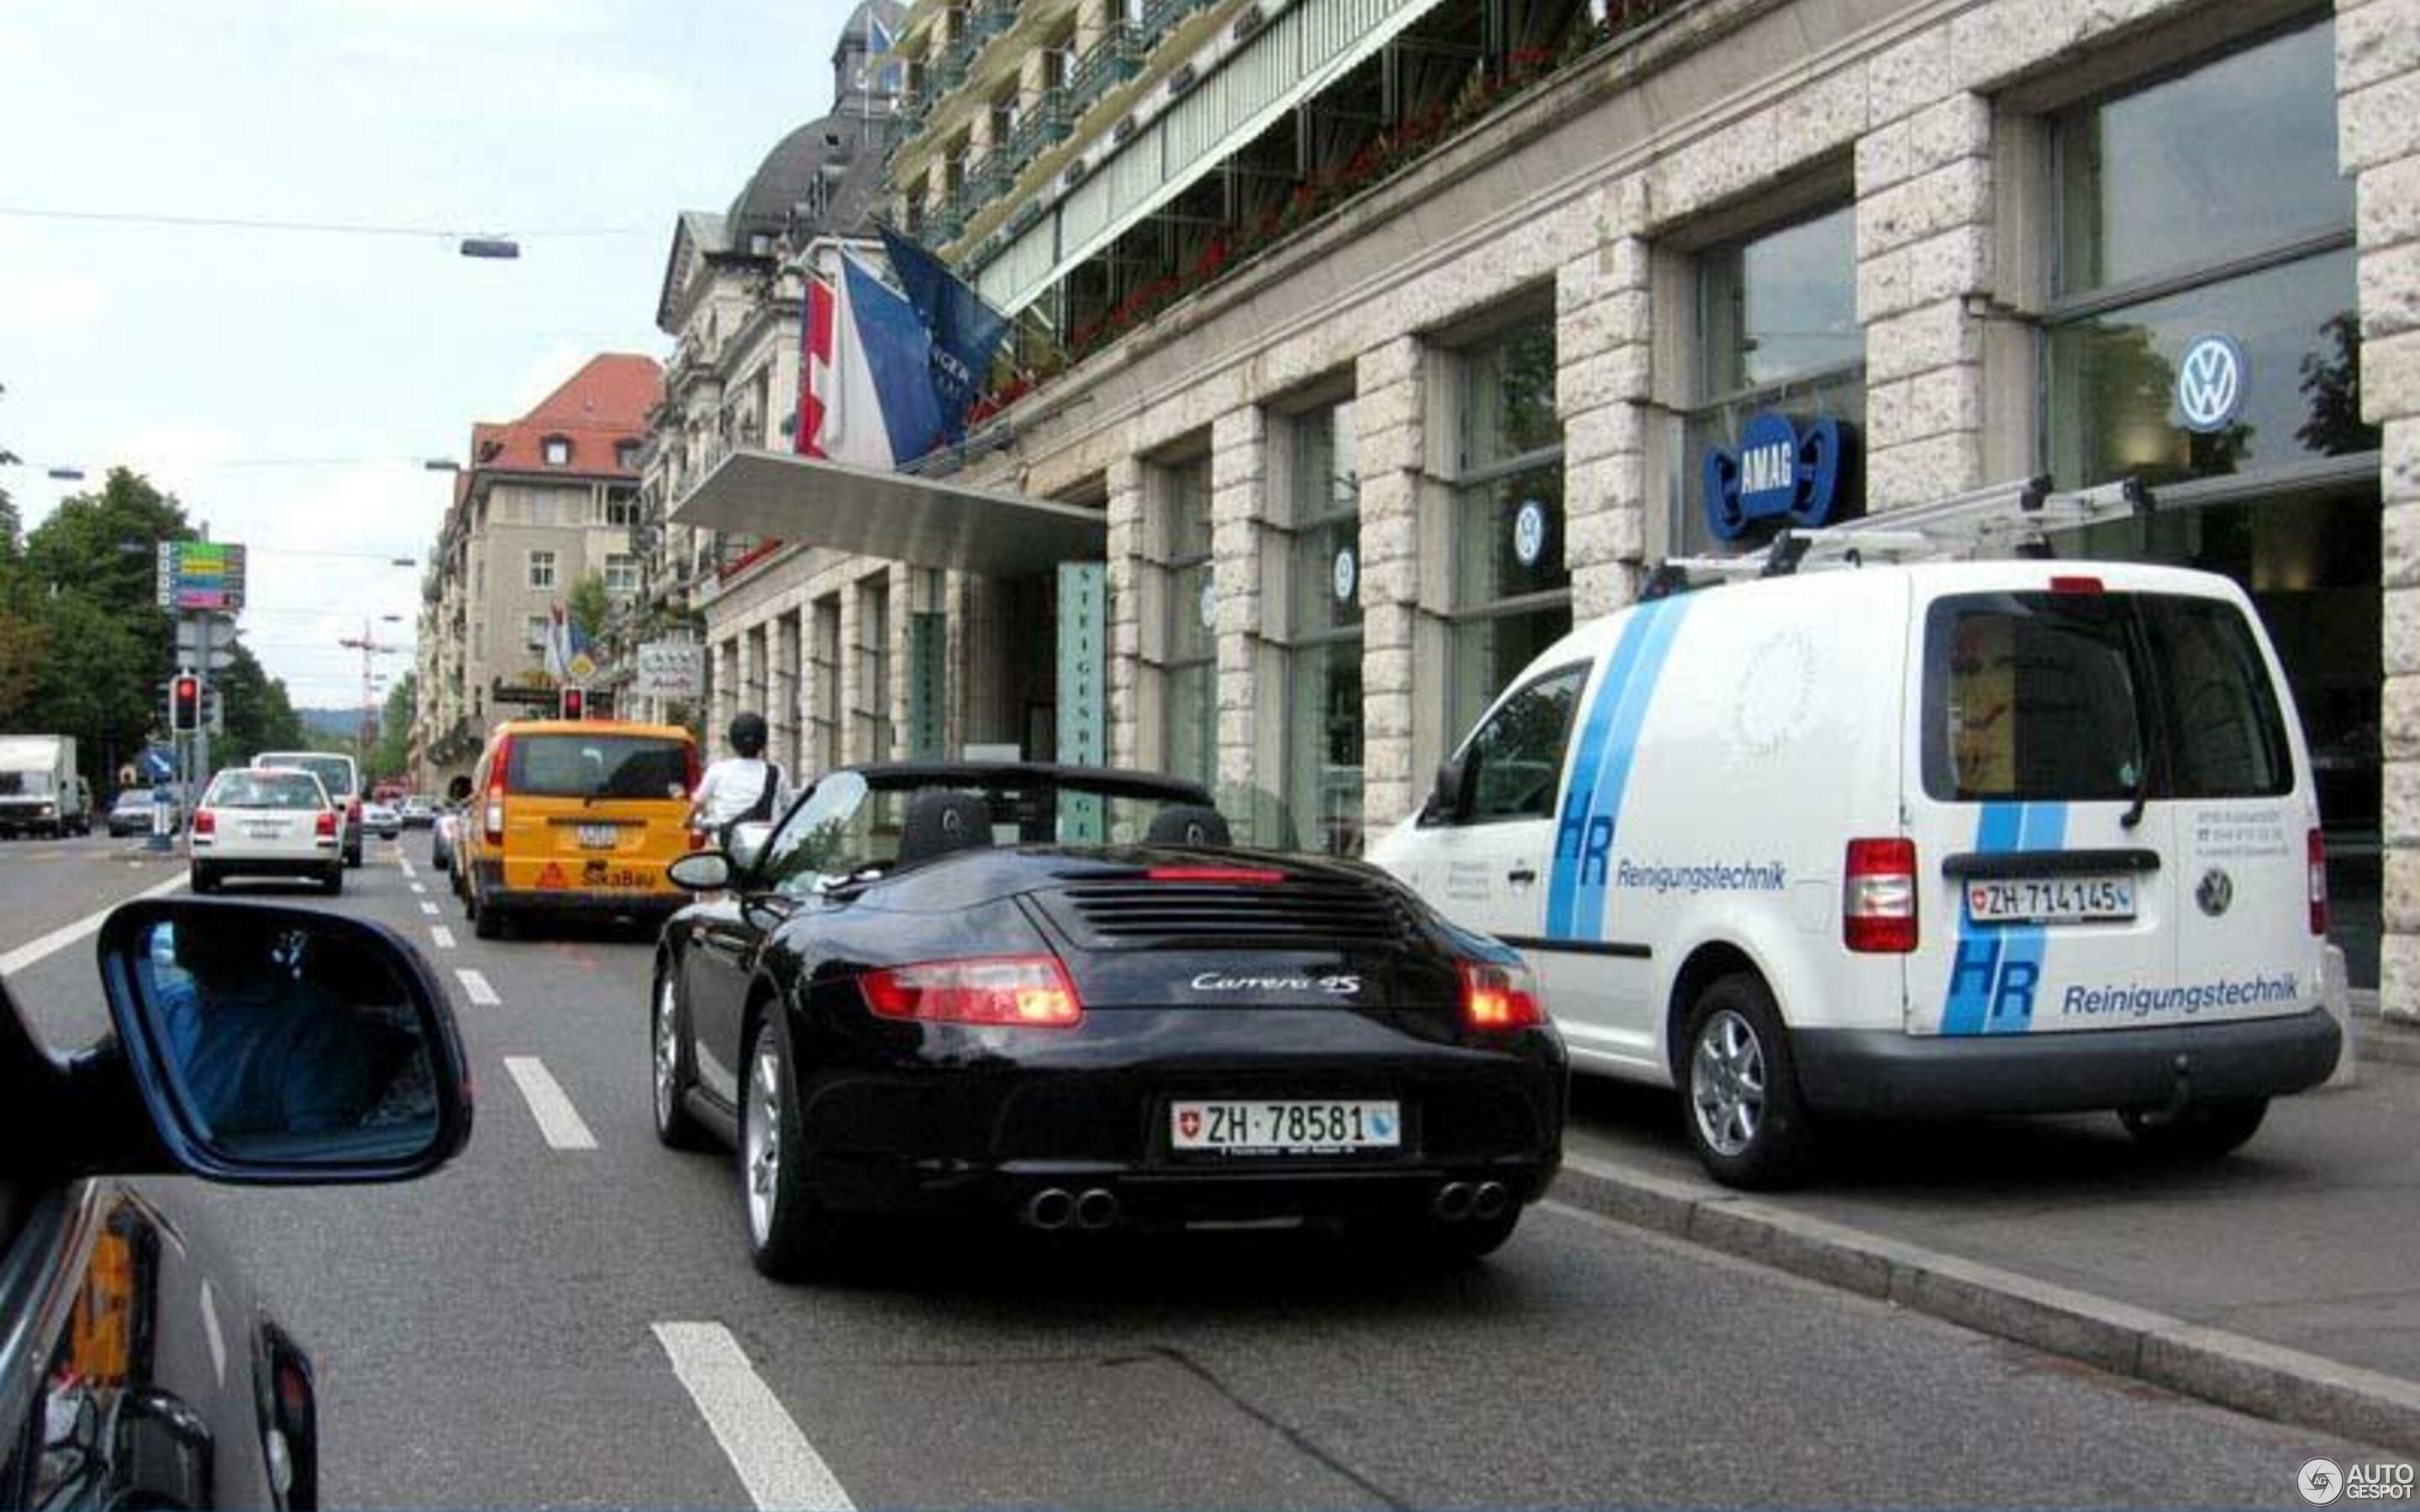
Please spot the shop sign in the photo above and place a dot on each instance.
(2211, 383)
(1785, 471)
(928, 686)
(1529, 532)
(1344, 575)
(1083, 689)
(668, 670)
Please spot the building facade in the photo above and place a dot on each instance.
(1402, 335)
(544, 501)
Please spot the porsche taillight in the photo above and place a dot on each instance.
(1497, 997)
(1029, 992)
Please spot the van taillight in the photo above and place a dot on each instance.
(1878, 897)
(494, 817)
(2317, 852)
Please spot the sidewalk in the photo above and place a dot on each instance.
(2308, 1239)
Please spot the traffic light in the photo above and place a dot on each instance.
(184, 703)
(575, 703)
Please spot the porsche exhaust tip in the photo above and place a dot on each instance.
(1453, 1201)
(1489, 1200)
(1096, 1209)
(1050, 1210)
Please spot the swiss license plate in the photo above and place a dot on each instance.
(600, 837)
(265, 831)
(1256, 1127)
(2050, 900)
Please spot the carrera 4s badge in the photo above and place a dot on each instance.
(1338, 985)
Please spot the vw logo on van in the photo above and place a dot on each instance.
(2216, 890)
(2209, 383)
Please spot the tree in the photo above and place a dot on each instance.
(258, 713)
(20, 633)
(392, 758)
(2333, 386)
(588, 607)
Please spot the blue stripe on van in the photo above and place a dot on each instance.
(1975, 958)
(1562, 877)
(2023, 947)
(1576, 882)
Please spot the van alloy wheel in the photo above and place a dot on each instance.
(1726, 1081)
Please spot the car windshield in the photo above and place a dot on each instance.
(265, 790)
(598, 766)
(25, 784)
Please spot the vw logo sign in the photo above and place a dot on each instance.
(2211, 381)
(2215, 891)
(1529, 532)
(1209, 608)
(1345, 576)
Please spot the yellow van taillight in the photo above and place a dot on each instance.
(1878, 897)
(494, 825)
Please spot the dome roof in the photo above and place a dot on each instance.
(784, 179)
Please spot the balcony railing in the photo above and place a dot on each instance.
(949, 68)
(1045, 124)
(1114, 59)
(986, 22)
(990, 176)
(1161, 17)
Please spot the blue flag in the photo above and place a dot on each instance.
(966, 333)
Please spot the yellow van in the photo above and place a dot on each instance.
(576, 817)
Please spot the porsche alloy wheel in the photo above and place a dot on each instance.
(790, 1235)
(674, 1128)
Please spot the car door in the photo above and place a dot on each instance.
(1489, 852)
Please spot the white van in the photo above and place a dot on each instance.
(1925, 838)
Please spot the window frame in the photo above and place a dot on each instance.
(1582, 668)
(531, 567)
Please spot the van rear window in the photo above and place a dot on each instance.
(2095, 697)
(598, 766)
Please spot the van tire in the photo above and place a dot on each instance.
(487, 920)
(2198, 1131)
(1740, 1101)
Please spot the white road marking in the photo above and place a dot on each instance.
(444, 936)
(405, 862)
(775, 1461)
(67, 934)
(556, 1117)
(475, 986)
(427, 908)
(418, 887)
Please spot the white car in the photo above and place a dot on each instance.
(1931, 838)
(266, 822)
(381, 820)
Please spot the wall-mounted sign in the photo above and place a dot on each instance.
(1785, 471)
(2211, 377)
(928, 686)
(1209, 607)
(1344, 575)
(1083, 690)
(669, 670)
(200, 575)
(1529, 532)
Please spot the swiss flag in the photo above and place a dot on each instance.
(815, 366)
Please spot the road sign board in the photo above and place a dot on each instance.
(669, 670)
(201, 575)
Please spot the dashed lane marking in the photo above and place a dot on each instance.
(419, 887)
(444, 936)
(764, 1442)
(556, 1117)
(475, 986)
(67, 934)
(427, 907)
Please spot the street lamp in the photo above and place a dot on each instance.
(503, 248)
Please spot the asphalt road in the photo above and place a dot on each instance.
(519, 1329)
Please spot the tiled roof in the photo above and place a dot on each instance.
(596, 408)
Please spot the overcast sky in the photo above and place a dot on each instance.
(286, 385)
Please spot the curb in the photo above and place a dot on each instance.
(2246, 1374)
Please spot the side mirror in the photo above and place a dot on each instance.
(701, 871)
(459, 790)
(1445, 798)
(747, 843)
(277, 1044)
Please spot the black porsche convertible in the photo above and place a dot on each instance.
(1058, 996)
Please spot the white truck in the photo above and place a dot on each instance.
(40, 791)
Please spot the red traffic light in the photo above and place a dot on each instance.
(575, 703)
(185, 703)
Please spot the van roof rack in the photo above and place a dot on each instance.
(2012, 518)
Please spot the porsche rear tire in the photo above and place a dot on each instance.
(791, 1236)
(668, 1043)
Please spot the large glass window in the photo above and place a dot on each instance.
(1777, 333)
(1189, 737)
(823, 693)
(1324, 670)
(1512, 595)
(873, 669)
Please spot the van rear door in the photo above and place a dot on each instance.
(2044, 867)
